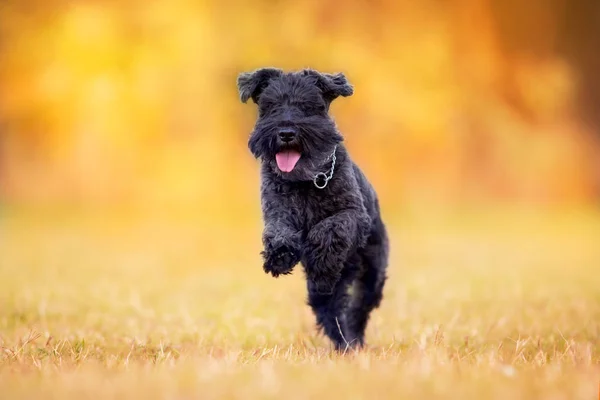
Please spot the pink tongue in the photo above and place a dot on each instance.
(286, 160)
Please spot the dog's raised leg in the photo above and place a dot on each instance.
(281, 241)
(328, 245)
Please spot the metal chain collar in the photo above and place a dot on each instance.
(324, 176)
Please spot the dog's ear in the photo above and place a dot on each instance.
(252, 84)
(332, 85)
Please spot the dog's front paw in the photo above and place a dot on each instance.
(280, 261)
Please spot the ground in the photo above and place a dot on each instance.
(492, 305)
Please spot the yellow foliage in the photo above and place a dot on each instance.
(124, 102)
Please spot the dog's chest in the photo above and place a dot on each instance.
(310, 207)
(301, 205)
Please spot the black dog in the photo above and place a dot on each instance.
(318, 207)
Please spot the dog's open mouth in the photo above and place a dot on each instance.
(287, 159)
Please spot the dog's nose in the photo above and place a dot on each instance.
(287, 134)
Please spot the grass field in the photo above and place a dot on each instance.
(496, 305)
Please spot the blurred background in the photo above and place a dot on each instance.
(132, 105)
(129, 201)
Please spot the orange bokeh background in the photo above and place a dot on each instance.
(130, 103)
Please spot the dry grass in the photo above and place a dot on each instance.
(499, 307)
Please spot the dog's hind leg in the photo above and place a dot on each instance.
(368, 288)
(329, 310)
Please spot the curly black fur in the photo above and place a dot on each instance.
(336, 233)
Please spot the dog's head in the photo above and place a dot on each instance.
(294, 133)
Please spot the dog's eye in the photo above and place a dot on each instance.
(313, 108)
(264, 110)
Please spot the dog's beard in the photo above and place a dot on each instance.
(307, 166)
(302, 159)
